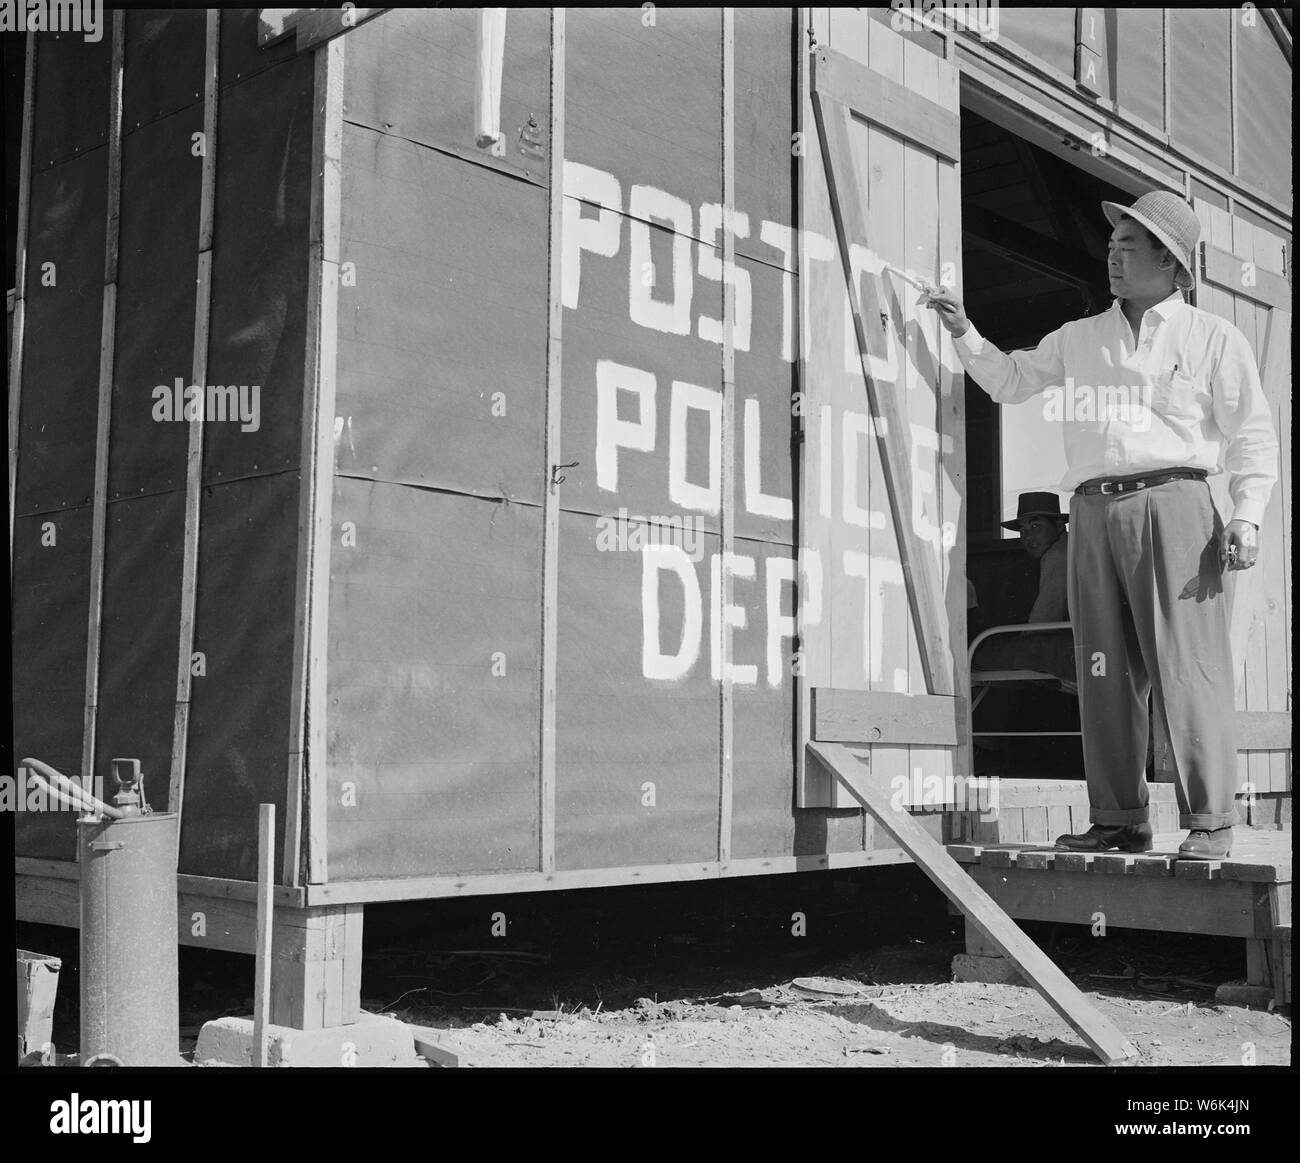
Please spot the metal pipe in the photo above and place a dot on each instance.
(72, 790)
(61, 797)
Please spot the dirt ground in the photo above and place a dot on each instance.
(711, 975)
(802, 1023)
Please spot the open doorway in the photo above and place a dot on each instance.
(1034, 257)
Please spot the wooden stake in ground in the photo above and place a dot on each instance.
(262, 964)
(978, 907)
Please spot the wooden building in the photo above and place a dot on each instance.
(538, 512)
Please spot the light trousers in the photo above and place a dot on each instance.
(1150, 617)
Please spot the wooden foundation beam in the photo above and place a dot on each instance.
(980, 909)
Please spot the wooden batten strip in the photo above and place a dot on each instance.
(876, 98)
(727, 716)
(1234, 78)
(952, 479)
(411, 888)
(1227, 270)
(305, 799)
(1279, 30)
(551, 456)
(104, 404)
(20, 278)
(263, 932)
(848, 208)
(194, 452)
(320, 25)
(98, 528)
(1166, 72)
(112, 232)
(805, 128)
(848, 716)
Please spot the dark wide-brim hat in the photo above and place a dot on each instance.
(1170, 219)
(1036, 505)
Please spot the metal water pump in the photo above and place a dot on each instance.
(127, 853)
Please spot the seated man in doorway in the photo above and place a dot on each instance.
(1041, 525)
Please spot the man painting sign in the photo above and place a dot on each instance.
(1148, 547)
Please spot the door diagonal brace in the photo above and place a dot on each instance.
(978, 907)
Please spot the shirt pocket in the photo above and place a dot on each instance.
(1176, 395)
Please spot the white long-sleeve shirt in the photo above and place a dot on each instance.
(1186, 395)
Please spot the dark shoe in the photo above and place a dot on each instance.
(1101, 837)
(1206, 844)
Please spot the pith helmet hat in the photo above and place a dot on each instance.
(1170, 219)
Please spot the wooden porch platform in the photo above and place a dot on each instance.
(1248, 895)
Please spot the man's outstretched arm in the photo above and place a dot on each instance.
(1008, 379)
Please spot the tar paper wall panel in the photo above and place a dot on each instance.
(637, 760)
(138, 637)
(433, 699)
(65, 289)
(636, 705)
(412, 73)
(640, 561)
(162, 63)
(51, 595)
(642, 94)
(56, 421)
(435, 555)
(71, 96)
(153, 347)
(248, 518)
(442, 335)
(259, 270)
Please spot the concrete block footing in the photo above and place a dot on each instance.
(373, 1040)
(991, 970)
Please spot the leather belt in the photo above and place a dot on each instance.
(1134, 484)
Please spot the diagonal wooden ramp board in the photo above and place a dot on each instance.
(978, 907)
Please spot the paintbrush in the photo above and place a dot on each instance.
(920, 284)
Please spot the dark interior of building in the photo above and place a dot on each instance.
(1033, 257)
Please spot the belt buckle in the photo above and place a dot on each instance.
(1107, 487)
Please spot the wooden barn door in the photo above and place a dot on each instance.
(881, 400)
(1241, 276)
